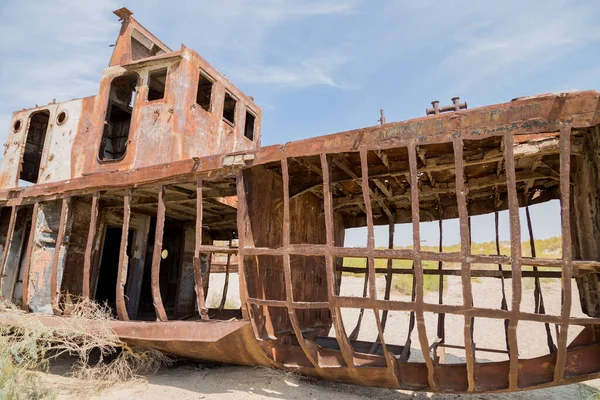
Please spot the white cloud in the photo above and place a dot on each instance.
(52, 50)
(298, 72)
(520, 42)
(278, 10)
(240, 34)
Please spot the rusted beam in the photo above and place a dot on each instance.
(387, 192)
(455, 272)
(465, 250)
(27, 260)
(383, 157)
(423, 341)
(62, 226)
(198, 282)
(567, 255)
(287, 273)
(340, 332)
(366, 202)
(123, 259)
(89, 247)
(243, 223)
(311, 167)
(161, 315)
(515, 247)
(409, 254)
(370, 258)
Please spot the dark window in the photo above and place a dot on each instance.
(34, 146)
(204, 92)
(118, 117)
(229, 108)
(156, 84)
(249, 125)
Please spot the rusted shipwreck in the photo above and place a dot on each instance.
(143, 192)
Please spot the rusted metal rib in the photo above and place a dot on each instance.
(64, 210)
(244, 229)
(457, 272)
(242, 217)
(370, 259)
(414, 196)
(565, 207)
(89, 247)
(198, 283)
(8, 242)
(366, 206)
(465, 250)
(408, 254)
(123, 259)
(161, 315)
(364, 183)
(26, 262)
(340, 333)
(515, 249)
(287, 273)
(299, 305)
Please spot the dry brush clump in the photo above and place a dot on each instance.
(27, 346)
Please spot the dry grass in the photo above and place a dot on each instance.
(27, 346)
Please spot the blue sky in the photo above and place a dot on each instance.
(316, 67)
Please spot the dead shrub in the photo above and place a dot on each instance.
(27, 346)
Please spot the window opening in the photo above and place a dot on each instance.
(156, 84)
(203, 95)
(229, 108)
(34, 146)
(249, 126)
(118, 117)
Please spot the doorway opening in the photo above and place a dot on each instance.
(34, 146)
(106, 286)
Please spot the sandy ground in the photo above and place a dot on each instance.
(187, 382)
(199, 381)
